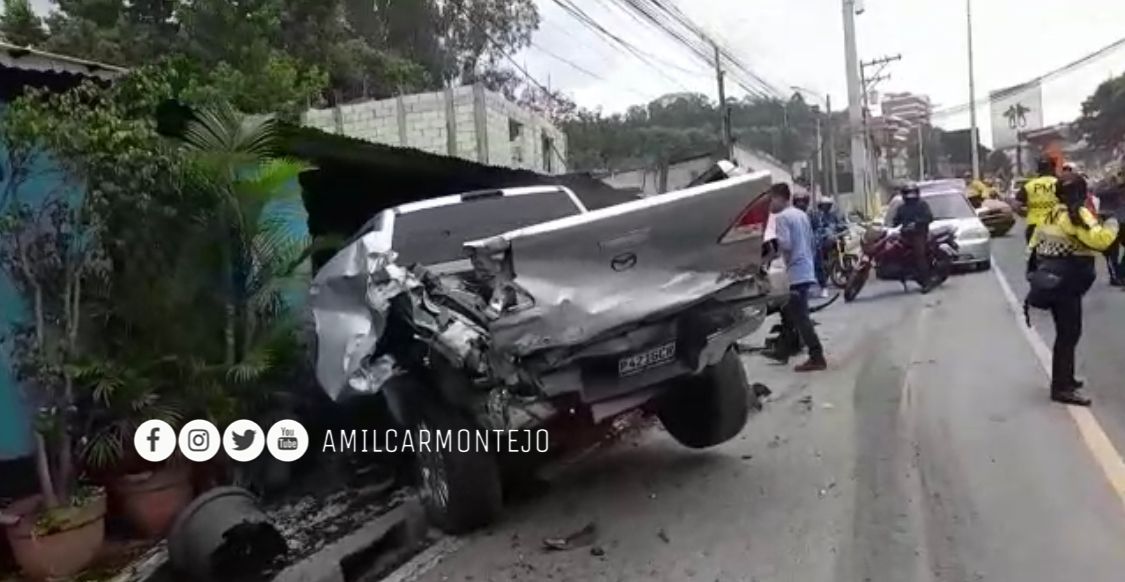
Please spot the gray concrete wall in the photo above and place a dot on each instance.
(449, 123)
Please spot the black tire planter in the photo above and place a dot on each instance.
(223, 535)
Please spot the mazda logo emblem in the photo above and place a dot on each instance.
(623, 262)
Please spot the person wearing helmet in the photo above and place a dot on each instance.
(1038, 195)
(915, 216)
(826, 224)
(802, 200)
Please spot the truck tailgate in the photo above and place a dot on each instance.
(582, 276)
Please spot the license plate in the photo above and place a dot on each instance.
(652, 358)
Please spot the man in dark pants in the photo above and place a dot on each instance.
(915, 216)
(795, 239)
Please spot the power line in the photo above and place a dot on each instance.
(668, 18)
(586, 20)
(582, 69)
(1048, 76)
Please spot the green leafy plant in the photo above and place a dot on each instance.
(259, 258)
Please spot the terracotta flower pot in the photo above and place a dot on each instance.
(61, 553)
(151, 500)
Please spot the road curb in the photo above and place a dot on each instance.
(379, 545)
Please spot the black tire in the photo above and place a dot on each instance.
(941, 269)
(856, 283)
(842, 271)
(709, 409)
(461, 491)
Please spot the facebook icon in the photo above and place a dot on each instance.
(154, 440)
(153, 436)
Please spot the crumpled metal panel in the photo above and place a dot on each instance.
(565, 282)
(350, 298)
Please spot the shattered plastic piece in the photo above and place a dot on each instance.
(761, 390)
(582, 537)
(597, 551)
(368, 379)
(663, 535)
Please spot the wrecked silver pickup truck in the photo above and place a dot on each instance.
(507, 309)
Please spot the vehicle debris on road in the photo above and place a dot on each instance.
(580, 538)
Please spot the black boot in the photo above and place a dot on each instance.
(1072, 396)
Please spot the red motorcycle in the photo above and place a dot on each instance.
(890, 251)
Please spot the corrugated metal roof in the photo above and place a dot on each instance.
(30, 59)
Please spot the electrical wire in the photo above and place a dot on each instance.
(667, 17)
(1048, 76)
(582, 69)
(586, 20)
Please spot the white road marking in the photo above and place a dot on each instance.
(1094, 437)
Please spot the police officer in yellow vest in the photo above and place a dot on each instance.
(1038, 195)
(1066, 243)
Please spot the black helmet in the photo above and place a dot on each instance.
(910, 190)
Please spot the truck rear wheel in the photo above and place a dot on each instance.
(711, 408)
(461, 491)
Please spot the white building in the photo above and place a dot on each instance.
(468, 122)
(914, 109)
(679, 173)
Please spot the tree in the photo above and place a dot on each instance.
(1102, 122)
(259, 253)
(20, 25)
(688, 124)
(476, 34)
(999, 164)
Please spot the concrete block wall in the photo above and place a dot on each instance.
(526, 151)
(424, 121)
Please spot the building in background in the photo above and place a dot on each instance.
(911, 108)
(468, 122)
(891, 134)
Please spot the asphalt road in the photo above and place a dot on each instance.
(1101, 354)
(929, 451)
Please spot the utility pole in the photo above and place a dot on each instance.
(855, 108)
(921, 154)
(868, 83)
(831, 151)
(972, 96)
(724, 127)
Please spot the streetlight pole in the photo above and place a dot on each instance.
(825, 148)
(973, 131)
(855, 109)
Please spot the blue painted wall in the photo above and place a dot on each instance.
(15, 413)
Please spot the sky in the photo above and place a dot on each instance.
(800, 42)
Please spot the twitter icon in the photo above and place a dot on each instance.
(241, 440)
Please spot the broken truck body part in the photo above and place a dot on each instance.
(571, 315)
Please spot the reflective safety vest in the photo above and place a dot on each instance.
(1041, 199)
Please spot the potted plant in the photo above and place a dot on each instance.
(121, 397)
(81, 180)
(48, 250)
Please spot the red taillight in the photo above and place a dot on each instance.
(750, 222)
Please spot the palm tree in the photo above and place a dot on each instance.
(251, 231)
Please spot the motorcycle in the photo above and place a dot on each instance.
(837, 260)
(888, 249)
